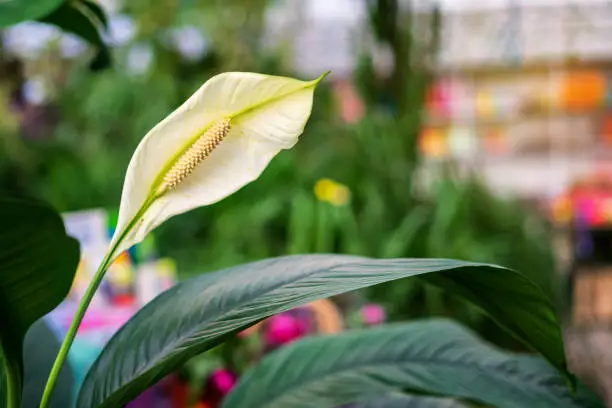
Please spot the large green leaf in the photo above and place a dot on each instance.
(87, 20)
(433, 356)
(198, 314)
(37, 265)
(84, 18)
(408, 401)
(98, 13)
(16, 11)
(40, 349)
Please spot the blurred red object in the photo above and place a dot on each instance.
(438, 99)
(125, 300)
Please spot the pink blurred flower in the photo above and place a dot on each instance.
(284, 328)
(218, 385)
(224, 380)
(373, 314)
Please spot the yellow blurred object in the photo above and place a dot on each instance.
(546, 102)
(81, 278)
(484, 104)
(121, 272)
(332, 192)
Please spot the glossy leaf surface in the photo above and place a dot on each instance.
(436, 357)
(87, 20)
(37, 265)
(198, 314)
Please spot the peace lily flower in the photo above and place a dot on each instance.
(219, 140)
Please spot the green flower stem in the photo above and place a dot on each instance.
(86, 301)
(13, 382)
(74, 327)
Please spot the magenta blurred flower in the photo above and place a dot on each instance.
(224, 380)
(284, 328)
(373, 314)
(218, 385)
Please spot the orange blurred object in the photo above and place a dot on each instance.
(562, 210)
(433, 143)
(583, 90)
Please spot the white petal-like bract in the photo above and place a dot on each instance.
(267, 114)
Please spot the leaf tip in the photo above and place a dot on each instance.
(320, 78)
(572, 381)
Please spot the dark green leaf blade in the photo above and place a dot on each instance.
(37, 265)
(200, 313)
(3, 387)
(87, 21)
(17, 11)
(434, 356)
(40, 349)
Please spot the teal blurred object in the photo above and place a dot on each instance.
(82, 355)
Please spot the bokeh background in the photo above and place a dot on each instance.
(470, 129)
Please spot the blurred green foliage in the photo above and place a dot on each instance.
(103, 116)
(84, 18)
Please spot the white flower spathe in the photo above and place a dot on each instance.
(266, 114)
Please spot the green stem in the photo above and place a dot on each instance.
(74, 327)
(13, 382)
(85, 302)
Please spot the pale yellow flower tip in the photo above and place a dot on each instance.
(219, 140)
